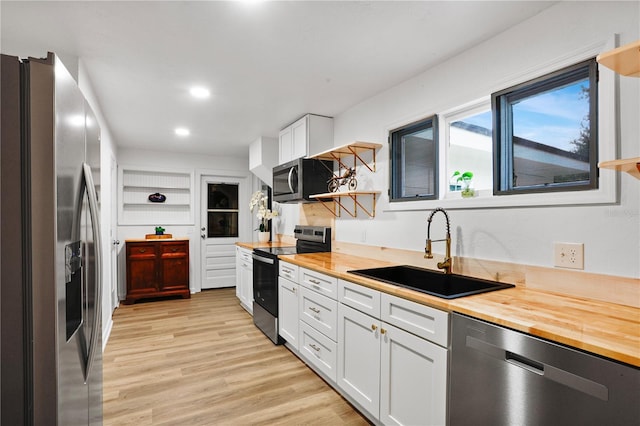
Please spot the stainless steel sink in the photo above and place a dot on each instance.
(446, 286)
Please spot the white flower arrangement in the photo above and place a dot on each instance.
(259, 200)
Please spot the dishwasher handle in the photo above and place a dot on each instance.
(547, 371)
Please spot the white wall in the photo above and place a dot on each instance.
(611, 233)
(200, 165)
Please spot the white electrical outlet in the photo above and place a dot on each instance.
(569, 255)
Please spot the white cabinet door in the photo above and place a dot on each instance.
(288, 294)
(244, 279)
(413, 382)
(359, 357)
(285, 148)
(299, 138)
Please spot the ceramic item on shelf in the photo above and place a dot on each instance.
(157, 198)
(263, 237)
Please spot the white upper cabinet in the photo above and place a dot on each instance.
(307, 136)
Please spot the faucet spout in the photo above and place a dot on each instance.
(446, 262)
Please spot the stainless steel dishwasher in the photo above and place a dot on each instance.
(503, 377)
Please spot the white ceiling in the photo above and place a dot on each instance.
(266, 63)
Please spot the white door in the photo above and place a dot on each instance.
(115, 243)
(221, 220)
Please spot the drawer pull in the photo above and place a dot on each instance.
(317, 311)
(374, 327)
(383, 331)
(287, 270)
(314, 281)
(142, 250)
(174, 249)
(314, 347)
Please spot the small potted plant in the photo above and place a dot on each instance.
(466, 179)
(159, 230)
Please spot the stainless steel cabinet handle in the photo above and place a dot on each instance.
(314, 347)
(314, 281)
(317, 311)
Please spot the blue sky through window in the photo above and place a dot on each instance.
(552, 118)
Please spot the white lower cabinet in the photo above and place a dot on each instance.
(413, 380)
(244, 278)
(359, 357)
(288, 319)
(399, 378)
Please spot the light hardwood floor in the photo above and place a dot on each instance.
(201, 361)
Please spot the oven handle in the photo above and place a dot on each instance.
(262, 259)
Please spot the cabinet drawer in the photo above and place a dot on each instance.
(174, 248)
(359, 297)
(318, 350)
(429, 323)
(141, 249)
(288, 270)
(321, 283)
(244, 255)
(319, 311)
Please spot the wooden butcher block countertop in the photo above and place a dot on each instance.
(602, 328)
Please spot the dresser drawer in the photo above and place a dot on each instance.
(178, 247)
(359, 297)
(319, 311)
(321, 283)
(288, 270)
(429, 323)
(318, 350)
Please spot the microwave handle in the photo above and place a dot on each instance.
(289, 179)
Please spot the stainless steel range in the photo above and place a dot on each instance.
(309, 239)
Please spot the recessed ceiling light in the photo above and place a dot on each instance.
(182, 131)
(199, 92)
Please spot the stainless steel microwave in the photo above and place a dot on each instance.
(297, 180)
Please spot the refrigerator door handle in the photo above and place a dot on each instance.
(87, 183)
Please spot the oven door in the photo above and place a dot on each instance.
(265, 282)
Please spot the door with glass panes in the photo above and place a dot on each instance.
(221, 217)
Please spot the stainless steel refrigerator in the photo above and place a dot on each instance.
(50, 292)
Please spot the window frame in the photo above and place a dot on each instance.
(503, 132)
(608, 191)
(394, 136)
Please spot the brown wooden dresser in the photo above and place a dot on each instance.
(157, 268)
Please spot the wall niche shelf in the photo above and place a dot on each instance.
(624, 60)
(355, 151)
(337, 197)
(628, 165)
(137, 184)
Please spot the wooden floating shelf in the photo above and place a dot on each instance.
(354, 149)
(353, 195)
(624, 60)
(628, 165)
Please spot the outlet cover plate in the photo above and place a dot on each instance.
(568, 255)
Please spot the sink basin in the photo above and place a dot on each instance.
(446, 286)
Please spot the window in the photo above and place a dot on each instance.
(470, 146)
(222, 210)
(545, 133)
(414, 161)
